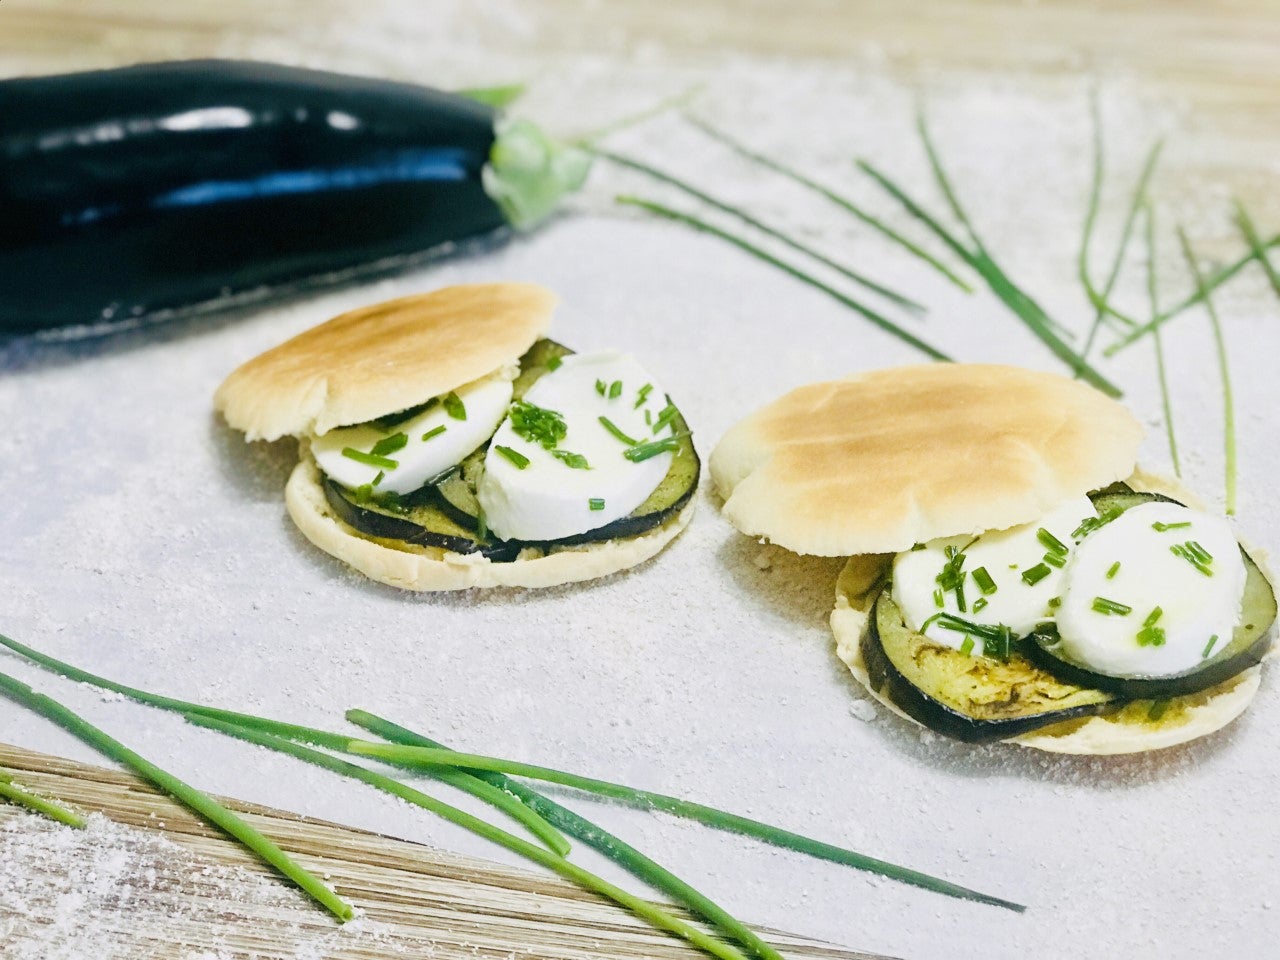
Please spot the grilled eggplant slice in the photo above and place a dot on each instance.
(974, 699)
(1249, 643)
(446, 513)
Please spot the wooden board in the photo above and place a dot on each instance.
(418, 901)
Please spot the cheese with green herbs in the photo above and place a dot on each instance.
(586, 446)
(1008, 578)
(399, 456)
(1153, 593)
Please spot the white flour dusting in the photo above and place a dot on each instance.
(157, 550)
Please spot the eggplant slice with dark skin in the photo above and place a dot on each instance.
(446, 512)
(980, 699)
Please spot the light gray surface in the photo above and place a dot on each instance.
(144, 540)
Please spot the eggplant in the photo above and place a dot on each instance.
(973, 699)
(167, 188)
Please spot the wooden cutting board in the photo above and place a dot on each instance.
(201, 895)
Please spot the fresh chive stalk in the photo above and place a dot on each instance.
(424, 754)
(434, 432)
(1100, 298)
(1113, 570)
(1211, 283)
(595, 504)
(571, 871)
(984, 581)
(1250, 234)
(23, 797)
(1160, 526)
(1224, 371)
(197, 801)
(1033, 575)
(1019, 302)
(391, 444)
(879, 320)
(589, 833)
(838, 199)
(321, 738)
(1153, 300)
(1111, 608)
(754, 222)
(1050, 542)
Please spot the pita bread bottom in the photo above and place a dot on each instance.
(1125, 731)
(413, 567)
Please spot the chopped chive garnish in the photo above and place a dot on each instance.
(1224, 373)
(601, 387)
(1050, 542)
(984, 582)
(482, 525)
(1184, 551)
(642, 395)
(754, 222)
(1151, 636)
(390, 444)
(967, 647)
(979, 605)
(876, 318)
(1033, 575)
(1093, 524)
(434, 432)
(1208, 648)
(1055, 603)
(950, 621)
(1153, 617)
(1113, 570)
(515, 456)
(1199, 552)
(648, 417)
(665, 416)
(454, 407)
(1055, 560)
(960, 601)
(998, 647)
(1159, 527)
(382, 475)
(1111, 608)
(938, 600)
(538, 424)
(554, 363)
(1157, 710)
(615, 390)
(575, 461)
(370, 459)
(595, 503)
(613, 429)
(643, 451)
(363, 493)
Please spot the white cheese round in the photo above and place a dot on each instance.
(1197, 601)
(1006, 556)
(548, 499)
(428, 451)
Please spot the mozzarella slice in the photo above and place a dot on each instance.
(548, 499)
(1194, 605)
(428, 451)
(1005, 555)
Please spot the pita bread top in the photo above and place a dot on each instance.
(384, 358)
(881, 461)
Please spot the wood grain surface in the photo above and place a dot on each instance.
(423, 901)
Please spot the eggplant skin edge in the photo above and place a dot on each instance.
(886, 681)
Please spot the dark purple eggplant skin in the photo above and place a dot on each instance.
(166, 187)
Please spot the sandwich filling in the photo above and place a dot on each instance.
(558, 450)
(1149, 592)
